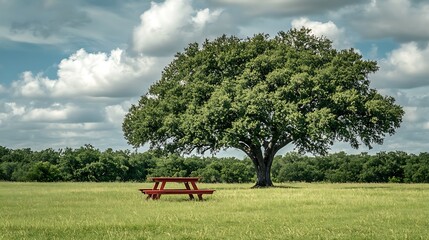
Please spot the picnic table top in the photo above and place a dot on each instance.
(174, 179)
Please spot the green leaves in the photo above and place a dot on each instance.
(262, 93)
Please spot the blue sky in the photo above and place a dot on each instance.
(70, 70)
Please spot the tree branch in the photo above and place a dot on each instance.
(280, 144)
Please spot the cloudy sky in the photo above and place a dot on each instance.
(69, 70)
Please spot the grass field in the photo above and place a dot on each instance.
(291, 211)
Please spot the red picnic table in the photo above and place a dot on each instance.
(155, 192)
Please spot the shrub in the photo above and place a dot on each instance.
(44, 172)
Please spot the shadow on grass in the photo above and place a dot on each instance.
(287, 187)
(231, 188)
(253, 188)
(178, 200)
(366, 187)
(274, 187)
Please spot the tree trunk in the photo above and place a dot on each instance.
(263, 159)
(263, 173)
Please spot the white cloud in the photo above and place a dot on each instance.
(115, 113)
(3, 117)
(373, 53)
(61, 125)
(35, 113)
(403, 20)
(102, 75)
(84, 103)
(66, 24)
(37, 22)
(167, 27)
(10, 110)
(28, 37)
(411, 114)
(14, 109)
(405, 67)
(2, 89)
(76, 126)
(32, 86)
(409, 59)
(327, 29)
(275, 8)
(56, 112)
(205, 16)
(86, 74)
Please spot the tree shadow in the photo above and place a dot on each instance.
(366, 187)
(272, 187)
(286, 187)
(182, 200)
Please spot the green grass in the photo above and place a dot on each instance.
(234, 211)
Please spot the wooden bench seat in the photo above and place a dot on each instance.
(143, 189)
(177, 191)
(156, 193)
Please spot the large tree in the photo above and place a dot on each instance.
(260, 94)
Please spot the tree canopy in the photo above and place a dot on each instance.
(259, 94)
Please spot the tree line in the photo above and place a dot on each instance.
(90, 164)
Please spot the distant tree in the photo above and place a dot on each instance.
(234, 171)
(344, 168)
(44, 172)
(73, 162)
(139, 165)
(18, 155)
(303, 170)
(7, 169)
(68, 164)
(260, 94)
(384, 167)
(211, 173)
(47, 155)
(176, 166)
(417, 168)
(4, 152)
(110, 166)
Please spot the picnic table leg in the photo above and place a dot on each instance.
(189, 188)
(200, 197)
(155, 187)
(158, 196)
(194, 185)
(155, 196)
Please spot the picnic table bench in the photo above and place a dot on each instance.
(157, 190)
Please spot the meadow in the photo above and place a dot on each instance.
(289, 211)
